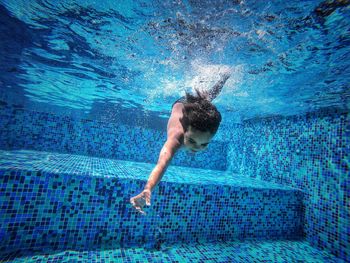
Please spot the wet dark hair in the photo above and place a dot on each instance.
(200, 113)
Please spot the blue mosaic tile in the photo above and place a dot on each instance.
(73, 207)
(309, 152)
(265, 158)
(31, 130)
(223, 252)
(69, 164)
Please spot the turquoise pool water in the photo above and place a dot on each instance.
(121, 60)
(86, 88)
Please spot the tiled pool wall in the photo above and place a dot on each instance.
(68, 211)
(309, 152)
(23, 129)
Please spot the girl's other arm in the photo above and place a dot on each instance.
(216, 89)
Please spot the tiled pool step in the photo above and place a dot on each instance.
(62, 201)
(223, 252)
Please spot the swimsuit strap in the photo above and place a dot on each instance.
(180, 100)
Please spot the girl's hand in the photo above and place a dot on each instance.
(139, 201)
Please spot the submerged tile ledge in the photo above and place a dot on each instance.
(48, 162)
(63, 201)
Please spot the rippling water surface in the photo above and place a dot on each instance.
(286, 57)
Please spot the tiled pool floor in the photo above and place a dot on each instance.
(224, 252)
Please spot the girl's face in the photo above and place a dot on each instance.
(195, 140)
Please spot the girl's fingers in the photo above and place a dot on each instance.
(139, 209)
(140, 200)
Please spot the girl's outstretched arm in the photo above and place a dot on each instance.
(165, 156)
